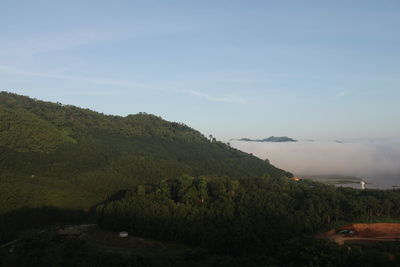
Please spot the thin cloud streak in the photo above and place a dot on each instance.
(224, 99)
(341, 94)
(95, 80)
(121, 83)
(32, 46)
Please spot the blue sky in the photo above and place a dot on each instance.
(305, 69)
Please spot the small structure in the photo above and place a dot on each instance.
(12, 248)
(347, 233)
(123, 234)
(362, 185)
(296, 179)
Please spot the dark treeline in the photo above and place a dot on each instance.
(242, 216)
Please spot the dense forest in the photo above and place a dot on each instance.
(61, 164)
(245, 216)
(62, 156)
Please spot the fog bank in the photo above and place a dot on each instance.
(374, 160)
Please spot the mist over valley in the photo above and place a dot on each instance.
(376, 161)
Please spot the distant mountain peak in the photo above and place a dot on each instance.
(276, 139)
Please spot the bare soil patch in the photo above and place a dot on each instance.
(363, 233)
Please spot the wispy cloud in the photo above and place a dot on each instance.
(36, 44)
(95, 80)
(226, 99)
(120, 83)
(41, 44)
(341, 94)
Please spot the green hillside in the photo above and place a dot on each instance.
(64, 156)
(163, 180)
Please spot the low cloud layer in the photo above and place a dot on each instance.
(374, 160)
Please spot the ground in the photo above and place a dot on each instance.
(107, 241)
(110, 243)
(364, 233)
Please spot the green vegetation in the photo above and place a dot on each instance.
(46, 248)
(66, 157)
(163, 180)
(244, 216)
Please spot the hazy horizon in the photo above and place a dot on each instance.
(375, 161)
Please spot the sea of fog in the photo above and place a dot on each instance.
(375, 161)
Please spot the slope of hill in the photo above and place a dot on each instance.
(68, 157)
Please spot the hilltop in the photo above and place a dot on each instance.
(69, 157)
(277, 139)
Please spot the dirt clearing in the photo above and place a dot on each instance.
(364, 233)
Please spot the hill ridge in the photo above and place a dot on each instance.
(49, 151)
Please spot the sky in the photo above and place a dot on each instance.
(320, 70)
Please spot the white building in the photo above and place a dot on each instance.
(362, 185)
(123, 234)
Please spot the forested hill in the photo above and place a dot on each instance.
(64, 156)
(164, 180)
